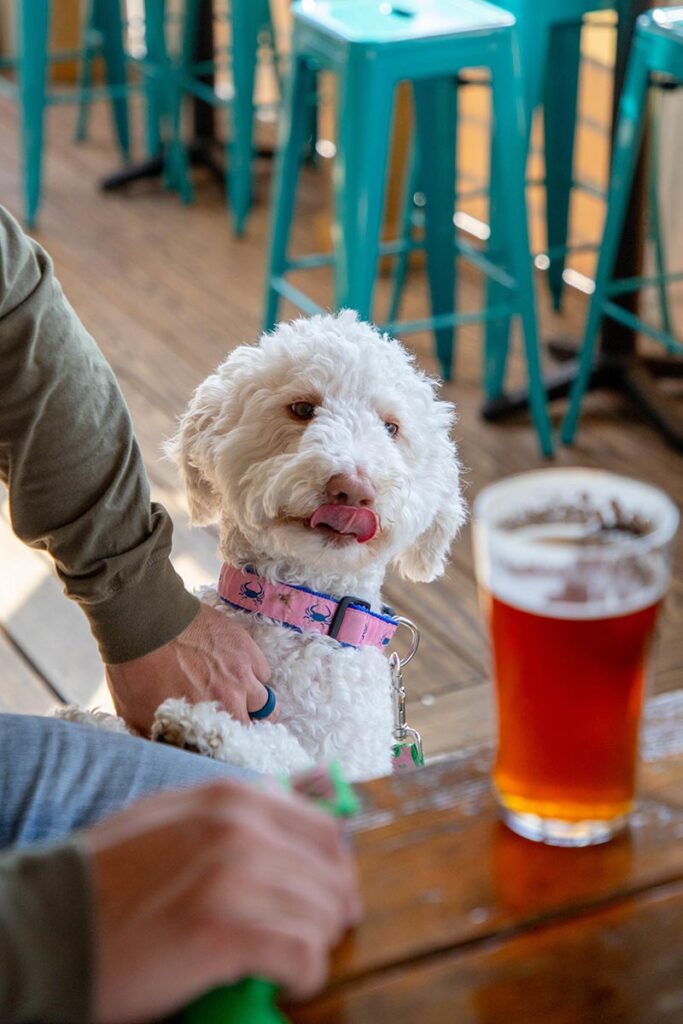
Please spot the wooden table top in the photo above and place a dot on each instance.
(466, 922)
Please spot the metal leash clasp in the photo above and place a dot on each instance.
(407, 750)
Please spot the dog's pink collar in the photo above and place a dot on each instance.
(347, 620)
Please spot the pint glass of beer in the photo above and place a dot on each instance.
(572, 566)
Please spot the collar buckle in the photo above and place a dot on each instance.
(342, 608)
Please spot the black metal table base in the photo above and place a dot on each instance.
(635, 377)
(152, 168)
(209, 153)
(201, 153)
(660, 366)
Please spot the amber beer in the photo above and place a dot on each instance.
(570, 693)
(572, 567)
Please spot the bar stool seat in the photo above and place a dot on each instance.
(657, 49)
(371, 47)
(409, 21)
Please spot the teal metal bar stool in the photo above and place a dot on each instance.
(657, 49)
(250, 25)
(549, 36)
(99, 18)
(550, 50)
(103, 28)
(30, 89)
(371, 47)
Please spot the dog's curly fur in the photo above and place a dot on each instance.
(260, 473)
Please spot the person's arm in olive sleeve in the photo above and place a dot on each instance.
(46, 936)
(77, 484)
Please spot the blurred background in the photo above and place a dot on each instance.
(138, 205)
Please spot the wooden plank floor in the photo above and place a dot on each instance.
(167, 292)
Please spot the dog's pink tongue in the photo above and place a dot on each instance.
(361, 522)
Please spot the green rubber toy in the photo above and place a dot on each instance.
(253, 1001)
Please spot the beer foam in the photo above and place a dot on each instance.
(574, 544)
(587, 593)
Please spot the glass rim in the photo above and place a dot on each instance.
(666, 525)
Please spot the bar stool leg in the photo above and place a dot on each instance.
(496, 332)
(559, 114)
(110, 21)
(405, 232)
(171, 92)
(293, 128)
(509, 171)
(654, 218)
(533, 58)
(156, 59)
(435, 120)
(311, 150)
(32, 43)
(247, 17)
(628, 141)
(89, 28)
(364, 118)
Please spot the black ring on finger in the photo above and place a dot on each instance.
(267, 708)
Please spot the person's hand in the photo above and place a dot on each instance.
(204, 887)
(212, 659)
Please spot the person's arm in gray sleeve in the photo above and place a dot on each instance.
(46, 936)
(78, 488)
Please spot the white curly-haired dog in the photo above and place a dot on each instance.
(325, 456)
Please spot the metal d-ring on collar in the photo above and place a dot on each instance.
(415, 639)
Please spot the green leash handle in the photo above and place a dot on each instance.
(253, 1001)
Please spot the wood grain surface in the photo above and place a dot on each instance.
(621, 964)
(466, 921)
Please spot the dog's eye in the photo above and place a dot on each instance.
(391, 428)
(302, 410)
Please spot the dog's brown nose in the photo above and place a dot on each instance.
(350, 489)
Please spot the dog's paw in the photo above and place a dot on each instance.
(100, 719)
(207, 729)
(188, 726)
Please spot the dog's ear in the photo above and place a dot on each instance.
(425, 559)
(191, 450)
